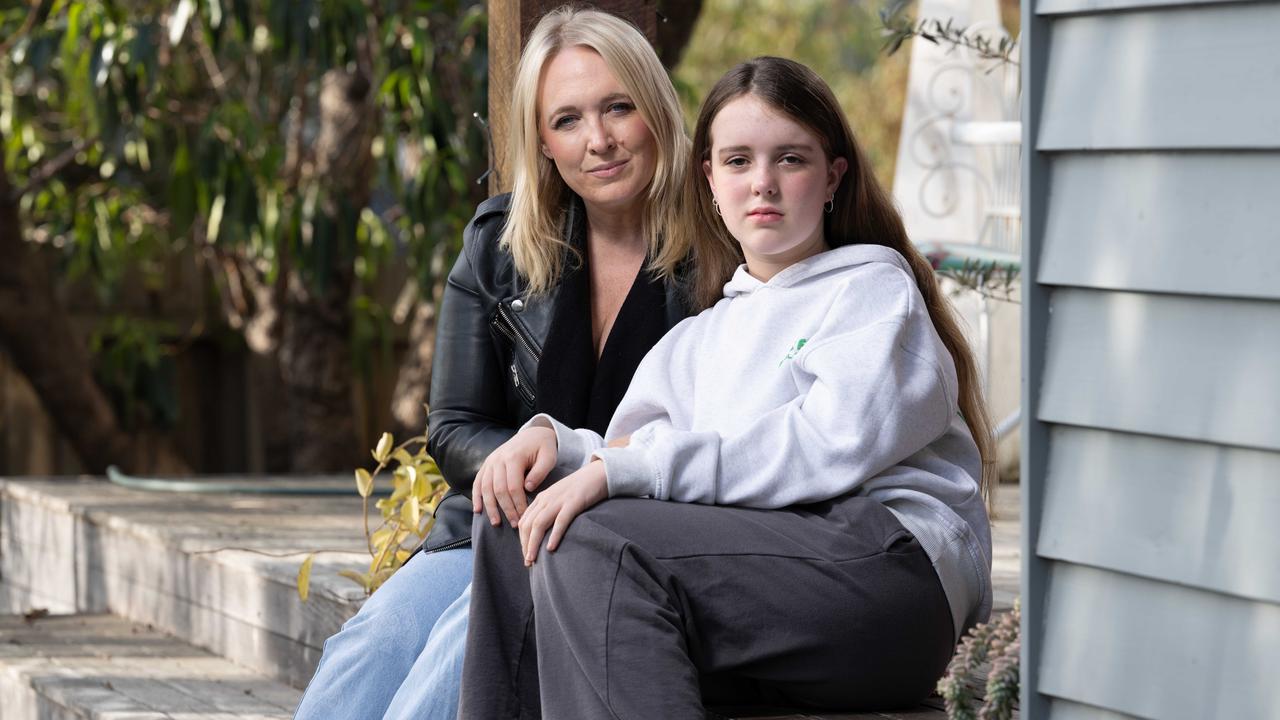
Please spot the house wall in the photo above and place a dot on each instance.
(1151, 453)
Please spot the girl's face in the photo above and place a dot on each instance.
(771, 178)
(590, 128)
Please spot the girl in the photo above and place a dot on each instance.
(813, 450)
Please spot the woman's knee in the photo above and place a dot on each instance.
(415, 596)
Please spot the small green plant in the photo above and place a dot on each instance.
(407, 513)
(993, 647)
(897, 26)
(990, 278)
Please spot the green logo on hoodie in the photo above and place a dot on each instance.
(794, 349)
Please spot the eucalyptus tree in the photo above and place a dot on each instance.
(304, 154)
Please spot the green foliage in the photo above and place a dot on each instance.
(840, 41)
(990, 278)
(898, 27)
(162, 131)
(407, 514)
(995, 645)
(137, 371)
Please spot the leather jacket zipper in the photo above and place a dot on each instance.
(506, 325)
(512, 330)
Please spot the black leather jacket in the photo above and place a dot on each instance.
(489, 339)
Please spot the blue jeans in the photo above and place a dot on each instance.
(401, 655)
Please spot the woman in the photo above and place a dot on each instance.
(581, 246)
(813, 449)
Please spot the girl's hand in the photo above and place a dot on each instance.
(558, 505)
(623, 441)
(519, 465)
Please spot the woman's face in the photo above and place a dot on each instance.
(771, 178)
(590, 128)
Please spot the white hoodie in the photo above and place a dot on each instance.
(827, 379)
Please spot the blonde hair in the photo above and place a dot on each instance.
(861, 212)
(533, 232)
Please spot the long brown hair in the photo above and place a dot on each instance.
(863, 213)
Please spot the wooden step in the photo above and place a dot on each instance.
(189, 564)
(65, 667)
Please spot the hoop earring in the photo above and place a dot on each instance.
(831, 203)
(715, 204)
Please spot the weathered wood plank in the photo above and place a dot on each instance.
(146, 556)
(1157, 650)
(1191, 513)
(80, 666)
(1182, 367)
(1199, 223)
(1176, 78)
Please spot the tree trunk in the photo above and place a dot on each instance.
(36, 333)
(315, 364)
(315, 345)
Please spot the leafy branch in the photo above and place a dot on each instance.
(407, 514)
(991, 279)
(898, 27)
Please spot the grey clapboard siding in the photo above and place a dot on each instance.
(1191, 513)
(1178, 78)
(1165, 222)
(1066, 7)
(1184, 367)
(1060, 709)
(1158, 650)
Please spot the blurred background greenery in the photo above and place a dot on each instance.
(224, 224)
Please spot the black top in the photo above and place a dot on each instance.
(573, 386)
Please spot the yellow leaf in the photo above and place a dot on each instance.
(415, 512)
(406, 474)
(406, 514)
(304, 577)
(361, 578)
(364, 482)
(402, 456)
(380, 537)
(383, 451)
(402, 555)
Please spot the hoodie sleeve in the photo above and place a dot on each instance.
(882, 387)
(650, 402)
(573, 447)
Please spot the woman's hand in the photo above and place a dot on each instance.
(558, 505)
(518, 466)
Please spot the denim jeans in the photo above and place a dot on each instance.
(397, 657)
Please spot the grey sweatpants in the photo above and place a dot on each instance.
(649, 609)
